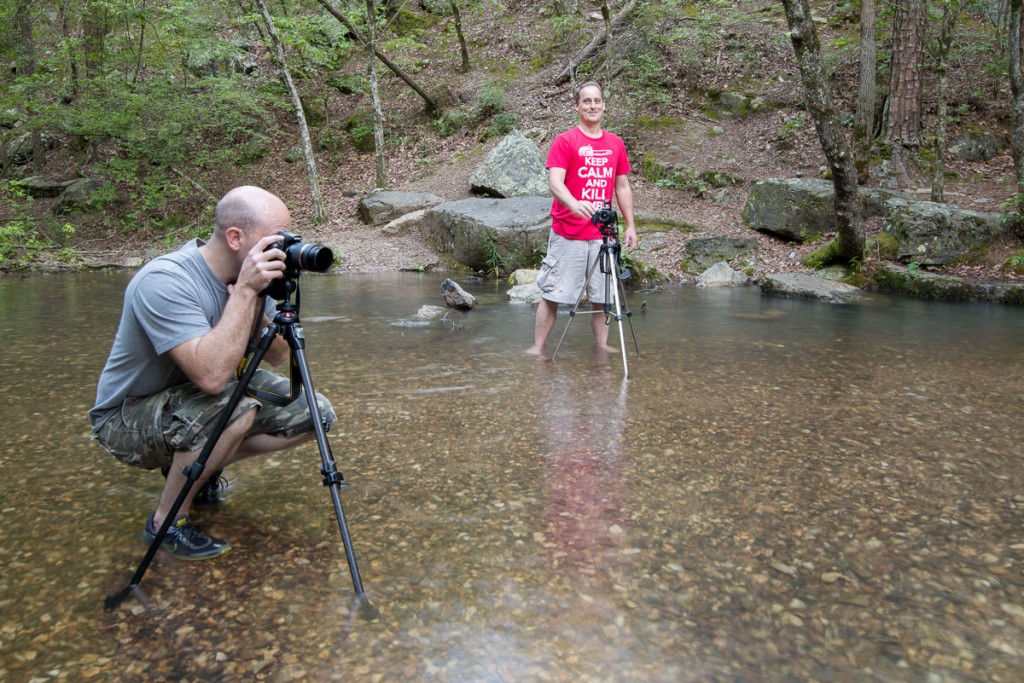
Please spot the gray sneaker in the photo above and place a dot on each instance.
(185, 541)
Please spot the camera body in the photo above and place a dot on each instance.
(299, 255)
(606, 220)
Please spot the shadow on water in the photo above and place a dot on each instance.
(782, 490)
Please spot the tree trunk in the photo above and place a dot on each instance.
(463, 48)
(94, 29)
(903, 123)
(26, 66)
(864, 118)
(569, 72)
(397, 70)
(378, 112)
(320, 214)
(1017, 111)
(849, 243)
(940, 48)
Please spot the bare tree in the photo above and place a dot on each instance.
(903, 122)
(864, 118)
(431, 103)
(1017, 111)
(378, 112)
(849, 242)
(939, 49)
(568, 73)
(320, 213)
(463, 48)
(26, 65)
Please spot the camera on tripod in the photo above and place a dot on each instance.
(606, 220)
(298, 256)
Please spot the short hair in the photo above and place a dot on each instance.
(586, 84)
(237, 209)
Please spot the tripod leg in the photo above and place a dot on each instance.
(618, 317)
(629, 315)
(576, 307)
(195, 470)
(332, 477)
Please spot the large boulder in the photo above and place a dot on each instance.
(721, 275)
(382, 206)
(977, 146)
(514, 168)
(800, 209)
(930, 233)
(491, 234)
(804, 286)
(702, 253)
(794, 208)
(923, 285)
(42, 188)
(78, 196)
(20, 150)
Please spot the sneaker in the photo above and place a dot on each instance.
(185, 541)
(213, 492)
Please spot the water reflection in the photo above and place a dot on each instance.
(782, 491)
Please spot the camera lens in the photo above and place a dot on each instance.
(310, 257)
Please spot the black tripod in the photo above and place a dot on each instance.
(614, 288)
(285, 323)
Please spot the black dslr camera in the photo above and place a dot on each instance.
(298, 256)
(606, 220)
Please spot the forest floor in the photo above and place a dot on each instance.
(686, 128)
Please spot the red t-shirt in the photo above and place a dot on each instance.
(591, 166)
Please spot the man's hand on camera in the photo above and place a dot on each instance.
(262, 265)
(585, 209)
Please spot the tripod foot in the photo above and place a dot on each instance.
(364, 609)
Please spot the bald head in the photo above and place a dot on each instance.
(248, 208)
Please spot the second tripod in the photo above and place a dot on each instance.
(286, 324)
(614, 300)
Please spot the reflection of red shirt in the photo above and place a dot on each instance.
(591, 165)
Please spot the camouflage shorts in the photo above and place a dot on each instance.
(148, 431)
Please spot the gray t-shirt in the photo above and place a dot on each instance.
(174, 298)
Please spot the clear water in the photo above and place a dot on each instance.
(782, 490)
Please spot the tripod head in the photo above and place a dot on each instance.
(606, 221)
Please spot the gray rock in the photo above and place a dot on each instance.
(529, 293)
(404, 225)
(721, 275)
(802, 208)
(931, 233)
(793, 208)
(19, 150)
(977, 146)
(803, 286)
(923, 285)
(382, 206)
(41, 188)
(523, 276)
(490, 234)
(428, 311)
(455, 296)
(75, 197)
(702, 253)
(514, 168)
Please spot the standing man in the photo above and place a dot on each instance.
(184, 329)
(587, 166)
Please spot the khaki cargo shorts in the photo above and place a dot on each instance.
(146, 432)
(564, 269)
